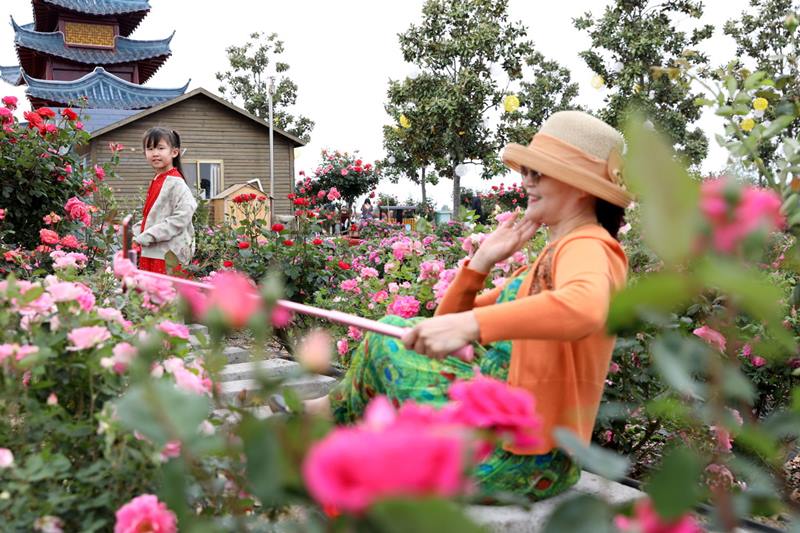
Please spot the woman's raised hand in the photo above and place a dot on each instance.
(509, 237)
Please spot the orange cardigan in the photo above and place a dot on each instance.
(560, 350)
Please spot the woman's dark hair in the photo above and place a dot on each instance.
(153, 136)
(610, 216)
(366, 202)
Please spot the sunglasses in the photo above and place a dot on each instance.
(533, 175)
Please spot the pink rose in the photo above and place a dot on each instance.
(488, 403)
(48, 236)
(145, 513)
(342, 347)
(353, 467)
(70, 241)
(6, 458)
(712, 337)
(404, 306)
(334, 194)
(281, 317)
(758, 361)
(100, 172)
(646, 520)
(314, 351)
(174, 330)
(123, 267)
(10, 102)
(355, 333)
(171, 450)
(88, 337)
(349, 285)
(77, 210)
(124, 353)
(233, 294)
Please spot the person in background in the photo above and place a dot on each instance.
(166, 224)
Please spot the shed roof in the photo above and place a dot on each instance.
(11, 74)
(129, 13)
(204, 93)
(102, 7)
(103, 90)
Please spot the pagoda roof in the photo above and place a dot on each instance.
(129, 12)
(149, 54)
(103, 90)
(11, 74)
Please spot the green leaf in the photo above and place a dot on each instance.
(751, 291)
(582, 514)
(593, 458)
(778, 125)
(421, 516)
(669, 198)
(675, 359)
(736, 385)
(162, 412)
(675, 486)
(263, 458)
(664, 292)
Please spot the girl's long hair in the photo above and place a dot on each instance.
(155, 135)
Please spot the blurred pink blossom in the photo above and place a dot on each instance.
(712, 337)
(145, 513)
(88, 337)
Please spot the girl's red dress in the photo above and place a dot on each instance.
(158, 266)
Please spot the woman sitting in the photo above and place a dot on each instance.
(544, 330)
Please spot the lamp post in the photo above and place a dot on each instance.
(271, 152)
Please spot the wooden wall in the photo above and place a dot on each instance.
(209, 131)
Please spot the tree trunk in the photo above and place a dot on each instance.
(456, 193)
(422, 182)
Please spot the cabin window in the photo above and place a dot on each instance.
(205, 176)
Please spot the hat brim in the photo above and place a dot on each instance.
(516, 156)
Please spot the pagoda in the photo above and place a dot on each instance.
(79, 52)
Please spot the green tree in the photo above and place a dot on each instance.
(637, 49)
(409, 152)
(458, 46)
(551, 90)
(247, 79)
(767, 40)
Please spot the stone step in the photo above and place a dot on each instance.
(276, 368)
(305, 387)
(235, 354)
(513, 519)
(197, 328)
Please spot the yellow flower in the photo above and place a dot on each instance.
(511, 103)
(760, 104)
(637, 88)
(462, 132)
(598, 81)
(748, 124)
(405, 122)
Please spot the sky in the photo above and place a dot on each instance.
(342, 54)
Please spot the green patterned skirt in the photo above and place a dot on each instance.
(382, 366)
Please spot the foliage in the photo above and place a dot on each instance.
(40, 169)
(350, 175)
(248, 79)
(456, 47)
(549, 90)
(55, 395)
(635, 50)
(767, 41)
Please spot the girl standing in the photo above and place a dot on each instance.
(169, 207)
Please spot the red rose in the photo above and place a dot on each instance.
(262, 198)
(288, 242)
(227, 264)
(278, 227)
(34, 119)
(69, 114)
(290, 196)
(46, 112)
(344, 266)
(317, 241)
(244, 245)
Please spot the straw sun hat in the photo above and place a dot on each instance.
(579, 150)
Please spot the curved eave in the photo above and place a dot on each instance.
(104, 90)
(53, 43)
(127, 14)
(11, 75)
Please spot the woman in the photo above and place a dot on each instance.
(366, 211)
(544, 330)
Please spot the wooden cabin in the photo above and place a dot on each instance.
(223, 145)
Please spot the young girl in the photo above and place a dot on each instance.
(170, 205)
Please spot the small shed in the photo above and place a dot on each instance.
(227, 206)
